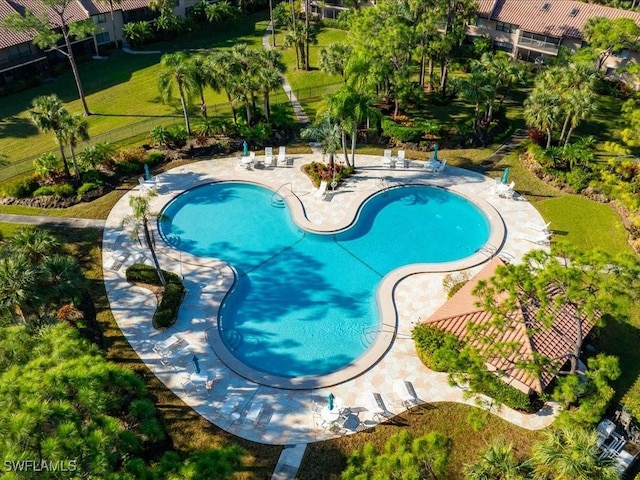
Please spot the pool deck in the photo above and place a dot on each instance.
(285, 416)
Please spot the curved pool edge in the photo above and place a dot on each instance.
(388, 315)
(292, 422)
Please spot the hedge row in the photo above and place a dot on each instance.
(167, 311)
(444, 352)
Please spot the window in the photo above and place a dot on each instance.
(101, 18)
(18, 51)
(574, 11)
(103, 38)
(545, 6)
(504, 46)
(506, 27)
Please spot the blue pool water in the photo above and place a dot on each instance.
(304, 303)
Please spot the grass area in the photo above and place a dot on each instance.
(311, 87)
(188, 430)
(121, 92)
(583, 222)
(325, 460)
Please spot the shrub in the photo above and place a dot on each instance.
(43, 191)
(63, 190)
(438, 350)
(400, 133)
(46, 165)
(160, 136)
(578, 178)
(167, 311)
(87, 187)
(99, 154)
(130, 161)
(154, 158)
(91, 176)
(20, 188)
(178, 135)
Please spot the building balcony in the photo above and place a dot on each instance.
(538, 45)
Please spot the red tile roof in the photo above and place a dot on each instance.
(523, 328)
(9, 38)
(555, 19)
(77, 10)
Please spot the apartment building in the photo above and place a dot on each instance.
(534, 30)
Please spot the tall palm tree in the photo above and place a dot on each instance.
(201, 78)
(570, 453)
(47, 114)
(178, 71)
(221, 70)
(579, 105)
(476, 88)
(333, 59)
(140, 220)
(541, 111)
(74, 129)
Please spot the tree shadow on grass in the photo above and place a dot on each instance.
(16, 127)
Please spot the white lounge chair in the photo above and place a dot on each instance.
(404, 390)
(538, 228)
(146, 185)
(321, 192)
(440, 168)
(541, 239)
(386, 158)
(400, 161)
(282, 156)
(504, 191)
(268, 156)
(375, 405)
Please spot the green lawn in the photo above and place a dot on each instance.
(311, 87)
(121, 92)
(583, 222)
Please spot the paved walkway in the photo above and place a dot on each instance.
(52, 221)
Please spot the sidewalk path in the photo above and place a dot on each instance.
(52, 221)
(298, 111)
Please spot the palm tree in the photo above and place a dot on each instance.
(476, 88)
(222, 70)
(18, 279)
(62, 277)
(498, 462)
(200, 78)
(34, 243)
(333, 59)
(578, 105)
(327, 131)
(179, 71)
(269, 75)
(570, 453)
(541, 111)
(47, 114)
(140, 218)
(74, 129)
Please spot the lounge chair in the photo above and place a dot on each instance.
(282, 156)
(146, 185)
(440, 168)
(386, 158)
(321, 192)
(405, 391)
(537, 227)
(541, 239)
(504, 191)
(375, 405)
(268, 156)
(400, 161)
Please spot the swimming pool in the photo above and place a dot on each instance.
(304, 303)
